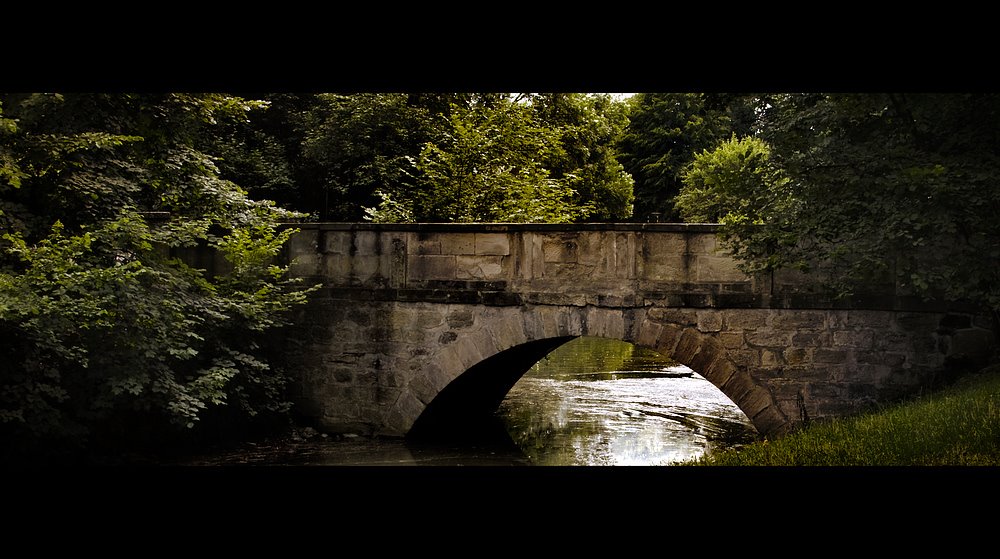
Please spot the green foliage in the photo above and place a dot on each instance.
(888, 189)
(100, 320)
(589, 129)
(544, 158)
(402, 157)
(364, 144)
(666, 130)
(730, 183)
(489, 169)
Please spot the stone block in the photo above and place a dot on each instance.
(708, 351)
(797, 320)
(744, 319)
(496, 244)
(678, 317)
(431, 267)
(878, 320)
(715, 269)
(797, 355)
(918, 322)
(860, 339)
(688, 345)
(737, 387)
(811, 339)
(427, 246)
(670, 335)
(461, 317)
(825, 355)
(458, 243)
(770, 359)
(749, 358)
(336, 242)
(769, 338)
(720, 371)
(479, 267)
(973, 342)
(605, 323)
(306, 265)
(303, 242)
(755, 401)
(509, 330)
(365, 243)
(559, 251)
(403, 413)
(670, 268)
(649, 333)
(703, 244)
(731, 340)
(709, 321)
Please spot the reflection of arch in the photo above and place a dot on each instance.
(471, 376)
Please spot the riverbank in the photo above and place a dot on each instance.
(956, 426)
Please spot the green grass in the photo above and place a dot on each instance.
(958, 426)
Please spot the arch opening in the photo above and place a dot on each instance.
(604, 401)
(464, 410)
(481, 405)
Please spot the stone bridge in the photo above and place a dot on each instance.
(427, 325)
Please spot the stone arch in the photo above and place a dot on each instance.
(510, 340)
(515, 334)
(704, 353)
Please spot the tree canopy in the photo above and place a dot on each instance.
(107, 333)
(548, 157)
(665, 132)
(884, 187)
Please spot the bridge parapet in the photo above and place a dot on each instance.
(613, 265)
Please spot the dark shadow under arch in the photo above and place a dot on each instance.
(463, 410)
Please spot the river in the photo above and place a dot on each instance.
(591, 402)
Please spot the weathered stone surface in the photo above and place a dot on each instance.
(649, 334)
(431, 267)
(687, 346)
(709, 321)
(708, 351)
(769, 338)
(458, 243)
(479, 267)
(402, 414)
(670, 335)
(715, 269)
(492, 244)
(678, 317)
(720, 371)
(731, 340)
(797, 320)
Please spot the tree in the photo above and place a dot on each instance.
(734, 183)
(665, 132)
(106, 332)
(887, 187)
(486, 166)
(590, 127)
(543, 158)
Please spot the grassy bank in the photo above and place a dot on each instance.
(957, 426)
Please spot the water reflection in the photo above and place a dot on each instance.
(596, 402)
